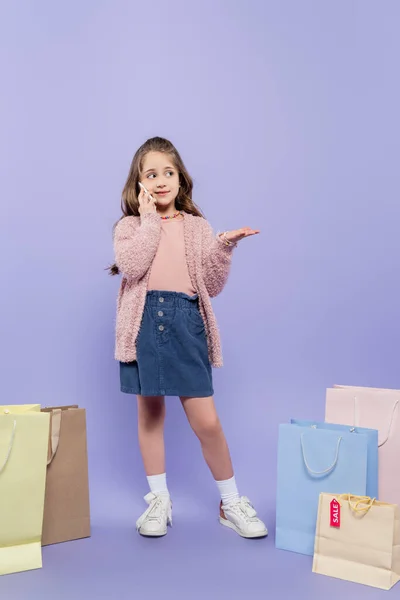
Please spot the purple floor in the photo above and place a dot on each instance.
(195, 560)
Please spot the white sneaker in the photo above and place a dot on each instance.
(157, 516)
(241, 516)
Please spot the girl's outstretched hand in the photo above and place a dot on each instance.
(238, 234)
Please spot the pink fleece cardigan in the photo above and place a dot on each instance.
(135, 244)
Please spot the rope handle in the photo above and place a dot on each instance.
(325, 471)
(356, 414)
(366, 501)
(10, 446)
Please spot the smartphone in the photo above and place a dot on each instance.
(146, 191)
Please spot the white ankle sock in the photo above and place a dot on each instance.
(158, 484)
(228, 490)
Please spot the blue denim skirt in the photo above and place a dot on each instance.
(172, 352)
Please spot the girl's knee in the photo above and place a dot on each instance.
(151, 411)
(208, 428)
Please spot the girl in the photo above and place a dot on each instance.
(167, 337)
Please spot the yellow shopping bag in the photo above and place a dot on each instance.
(24, 438)
(19, 408)
(358, 539)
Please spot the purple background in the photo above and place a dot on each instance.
(286, 114)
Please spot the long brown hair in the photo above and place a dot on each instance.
(130, 193)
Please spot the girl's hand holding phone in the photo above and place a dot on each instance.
(147, 204)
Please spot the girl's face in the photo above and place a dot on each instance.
(160, 177)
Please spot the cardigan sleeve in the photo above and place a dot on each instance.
(216, 260)
(135, 244)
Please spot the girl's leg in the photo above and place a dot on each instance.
(203, 419)
(235, 512)
(151, 417)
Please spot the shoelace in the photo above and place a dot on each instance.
(245, 509)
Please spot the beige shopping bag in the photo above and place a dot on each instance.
(358, 539)
(66, 508)
(24, 433)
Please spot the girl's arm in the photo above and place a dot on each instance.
(135, 245)
(216, 260)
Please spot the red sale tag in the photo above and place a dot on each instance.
(335, 513)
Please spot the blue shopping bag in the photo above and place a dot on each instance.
(372, 445)
(314, 458)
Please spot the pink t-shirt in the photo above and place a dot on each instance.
(169, 271)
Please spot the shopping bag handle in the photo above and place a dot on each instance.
(355, 419)
(367, 501)
(10, 445)
(55, 427)
(325, 471)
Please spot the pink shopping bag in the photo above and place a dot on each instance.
(376, 409)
